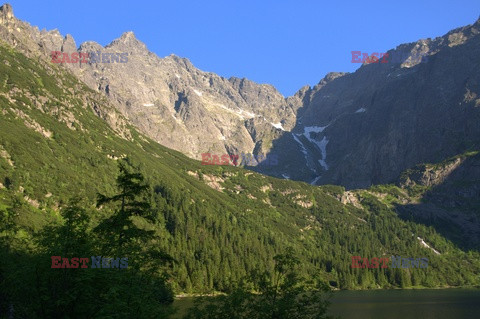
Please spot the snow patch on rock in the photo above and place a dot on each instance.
(322, 145)
(278, 125)
(304, 150)
(315, 129)
(315, 180)
(361, 110)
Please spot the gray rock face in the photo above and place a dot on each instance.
(169, 99)
(452, 200)
(367, 127)
(182, 107)
(6, 13)
(353, 129)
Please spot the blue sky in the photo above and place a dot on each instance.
(286, 43)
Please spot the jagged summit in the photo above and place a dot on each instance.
(69, 44)
(6, 12)
(128, 42)
(128, 35)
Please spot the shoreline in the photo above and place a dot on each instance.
(214, 294)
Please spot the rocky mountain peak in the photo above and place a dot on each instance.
(128, 37)
(303, 90)
(90, 46)
(6, 12)
(128, 42)
(69, 44)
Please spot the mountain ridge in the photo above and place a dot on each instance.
(195, 112)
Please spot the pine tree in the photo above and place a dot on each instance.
(132, 200)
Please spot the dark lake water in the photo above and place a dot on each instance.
(393, 304)
(398, 304)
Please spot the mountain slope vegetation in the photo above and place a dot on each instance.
(60, 140)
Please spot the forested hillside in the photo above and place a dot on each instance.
(60, 141)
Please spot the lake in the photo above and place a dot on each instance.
(401, 304)
(393, 304)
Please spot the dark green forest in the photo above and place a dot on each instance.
(185, 227)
